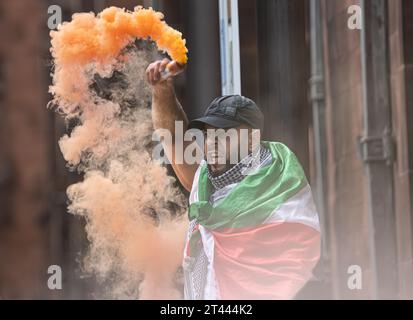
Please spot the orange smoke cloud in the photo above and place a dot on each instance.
(99, 40)
(89, 38)
(135, 216)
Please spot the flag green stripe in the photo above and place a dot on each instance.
(253, 200)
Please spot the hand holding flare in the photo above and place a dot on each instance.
(162, 70)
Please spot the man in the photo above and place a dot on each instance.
(254, 230)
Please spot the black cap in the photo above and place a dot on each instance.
(230, 112)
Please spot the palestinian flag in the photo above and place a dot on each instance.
(262, 239)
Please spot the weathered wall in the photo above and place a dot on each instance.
(401, 31)
(347, 197)
(284, 70)
(25, 149)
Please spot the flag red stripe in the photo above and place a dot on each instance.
(271, 261)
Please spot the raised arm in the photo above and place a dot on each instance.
(166, 109)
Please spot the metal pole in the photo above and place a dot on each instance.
(229, 40)
(236, 63)
(376, 148)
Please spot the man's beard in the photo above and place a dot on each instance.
(217, 170)
(218, 164)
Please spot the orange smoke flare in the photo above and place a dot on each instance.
(100, 38)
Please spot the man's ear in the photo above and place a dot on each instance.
(254, 138)
(250, 139)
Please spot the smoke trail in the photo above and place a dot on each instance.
(134, 213)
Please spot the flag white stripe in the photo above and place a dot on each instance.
(299, 208)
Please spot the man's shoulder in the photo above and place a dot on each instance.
(275, 145)
(278, 149)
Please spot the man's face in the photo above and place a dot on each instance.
(224, 147)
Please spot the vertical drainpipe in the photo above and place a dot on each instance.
(319, 126)
(376, 148)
